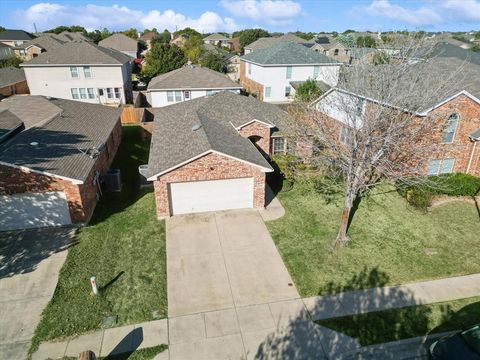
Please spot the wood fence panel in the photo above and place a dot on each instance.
(132, 115)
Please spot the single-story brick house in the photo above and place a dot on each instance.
(12, 81)
(209, 153)
(53, 156)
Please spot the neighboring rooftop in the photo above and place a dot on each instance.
(8, 123)
(46, 43)
(79, 53)
(32, 110)
(60, 146)
(267, 42)
(447, 50)
(188, 129)
(216, 37)
(287, 53)
(322, 86)
(15, 35)
(358, 53)
(148, 36)
(119, 42)
(11, 75)
(192, 77)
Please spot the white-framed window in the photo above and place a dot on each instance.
(87, 72)
(279, 146)
(451, 128)
(91, 93)
(442, 166)
(268, 91)
(178, 96)
(335, 52)
(288, 91)
(74, 92)
(316, 71)
(110, 93)
(73, 72)
(170, 96)
(186, 94)
(83, 93)
(289, 72)
(345, 135)
(118, 93)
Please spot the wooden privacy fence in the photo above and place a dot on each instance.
(131, 115)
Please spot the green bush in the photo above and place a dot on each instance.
(287, 166)
(419, 198)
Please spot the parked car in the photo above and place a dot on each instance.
(464, 345)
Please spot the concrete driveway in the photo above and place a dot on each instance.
(30, 261)
(223, 260)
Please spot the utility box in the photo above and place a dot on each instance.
(143, 173)
(113, 180)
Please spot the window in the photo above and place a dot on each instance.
(278, 146)
(74, 92)
(449, 131)
(118, 93)
(289, 72)
(316, 70)
(345, 135)
(83, 93)
(100, 92)
(335, 52)
(360, 106)
(73, 72)
(110, 93)
(444, 166)
(178, 96)
(210, 92)
(186, 95)
(169, 96)
(288, 91)
(91, 93)
(268, 91)
(87, 72)
(249, 66)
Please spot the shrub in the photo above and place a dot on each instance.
(286, 165)
(418, 198)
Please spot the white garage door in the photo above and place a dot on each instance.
(201, 196)
(31, 210)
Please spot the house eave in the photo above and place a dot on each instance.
(27, 169)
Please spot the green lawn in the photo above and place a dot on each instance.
(124, 247)
(396, 324)
(391, 242)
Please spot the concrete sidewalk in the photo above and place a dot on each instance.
(392, 297)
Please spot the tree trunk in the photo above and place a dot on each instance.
(342, 236)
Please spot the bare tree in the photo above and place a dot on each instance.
(372, 126)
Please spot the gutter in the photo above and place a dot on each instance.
(475, 141)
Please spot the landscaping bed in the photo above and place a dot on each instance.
(124, 247)
(391, 242)
(396, 324)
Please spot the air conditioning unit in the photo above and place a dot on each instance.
(113, 180)
(143, 173)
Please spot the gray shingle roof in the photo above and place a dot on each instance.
(32, 110)
(324, 87)
(267, 42)
(358, 53)
(15, 35)
(79, 53)
(63, 140)
(47, 43)
(11, 75)
(216, 36)
(8, 123)
(287, 53)
(192, 77)
(174, 141)
(119, 42)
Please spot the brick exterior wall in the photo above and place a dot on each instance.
(81, 198)
(461, 148)
(248, 84)
(18, 88)
(209, 167)
(260, 130)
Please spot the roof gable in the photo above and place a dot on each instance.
(119, 42)
(15, 35)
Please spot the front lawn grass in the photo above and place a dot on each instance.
(124, 247)
(396, 324)
(391, 243)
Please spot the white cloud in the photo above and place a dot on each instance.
(430, 13)
(49, 15)
(272, 12)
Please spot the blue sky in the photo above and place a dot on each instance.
(230, 15)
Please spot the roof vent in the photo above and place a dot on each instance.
(196, 127)
(34, 143)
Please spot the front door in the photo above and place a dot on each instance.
(101, 96)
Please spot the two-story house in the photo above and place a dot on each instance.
(218, 40)
(269, 73)
(122, 43)
(15, 37)
(81, 71)
(266, 42)
(187, 83)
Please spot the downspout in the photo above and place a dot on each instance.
(471, 155)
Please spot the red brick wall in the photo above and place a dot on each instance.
(81, 198)
(209, 167)
(250, 85)
(257, 129)
(18, 88)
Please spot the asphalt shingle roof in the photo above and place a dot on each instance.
(8, 123)
(47, 43)
(15, 35)
(287, 53)
(11, 75)
(267, 42)
(216, 36)
(62, 140)
(192, 77)
(119, 42)
(175, 141)
(79, 53)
